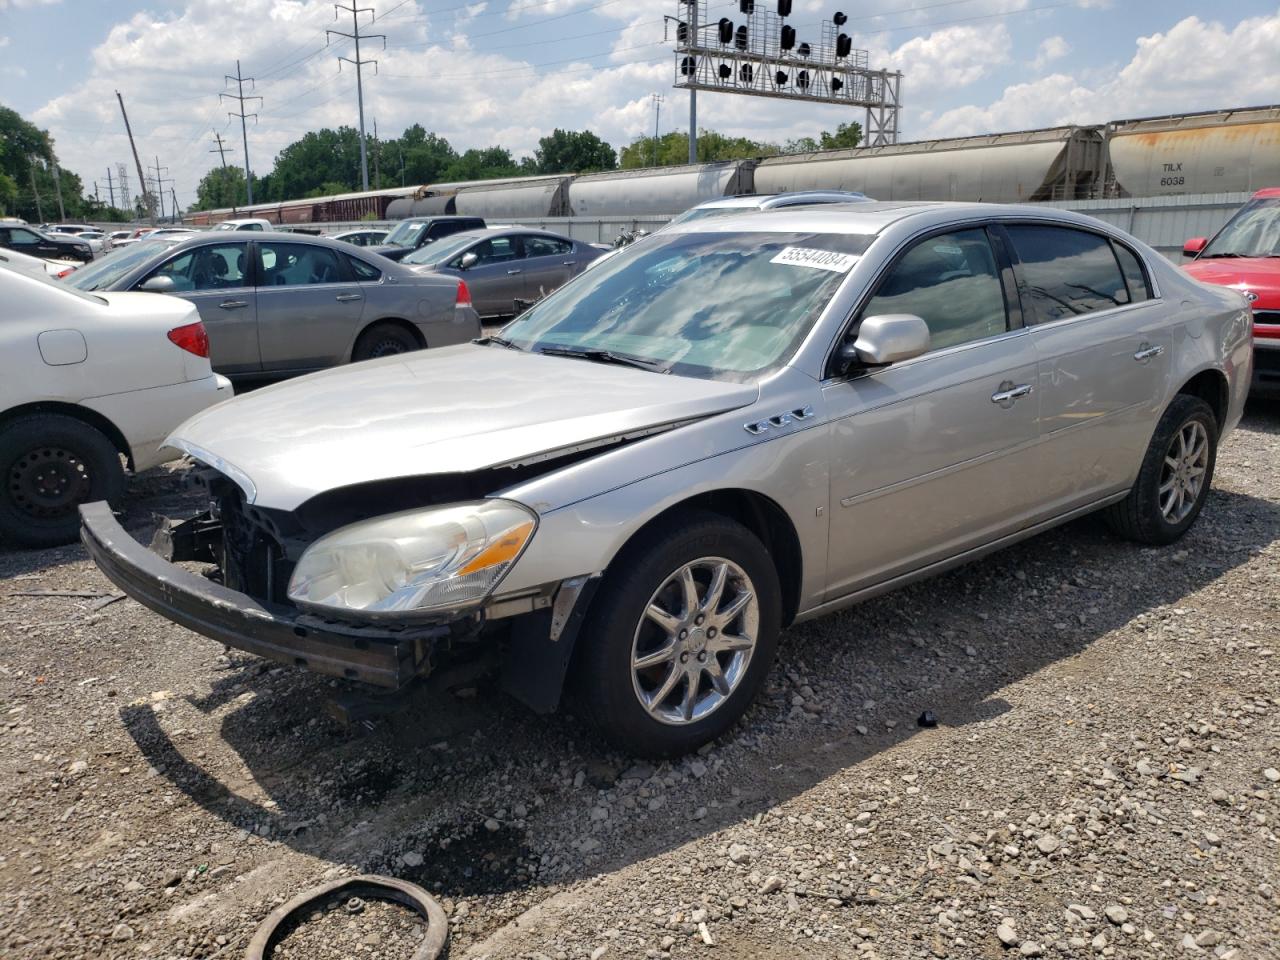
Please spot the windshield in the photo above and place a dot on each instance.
(105, 271)
(441, 250)
(406, 233)
(1253, 232)
(718, 305)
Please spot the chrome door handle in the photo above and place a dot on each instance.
(233, 304)
(511, 272)
(1011, 394)
(1147, 352)
(567, 263)
(345, 297)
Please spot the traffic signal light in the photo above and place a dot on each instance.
(788, 38)
(688, 66)
(836, 84)
(784, 8)
(803, 50)
(839, 19)
(682, 32)
(740, 38)
(746, 73)
(725, 71)
(747, 6)
(844, 46)
(780, 78)
(726, 30)
(802, 80)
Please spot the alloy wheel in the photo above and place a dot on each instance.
(1185, 465)
(694, 641)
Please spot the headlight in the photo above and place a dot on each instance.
(417, 560)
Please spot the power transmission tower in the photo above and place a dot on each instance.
(160, 181)
(240, 98)
(357, 37)
(111, 189)
(657, 112)
(147, 202)
(126, 202)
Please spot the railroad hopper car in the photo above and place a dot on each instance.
(1226, 151)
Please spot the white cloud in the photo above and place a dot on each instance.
(1050, 49)
(1195, 65)
(4, 42)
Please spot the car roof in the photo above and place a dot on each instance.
(875, 216)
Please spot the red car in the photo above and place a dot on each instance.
(1245, 255)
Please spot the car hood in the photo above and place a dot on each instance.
(446, 410)
(389, 249)
(1257, 275)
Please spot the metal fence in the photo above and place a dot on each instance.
(1163, 222)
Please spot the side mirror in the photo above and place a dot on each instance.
(469, 260)
(160, 284)
(886, 339)
(1193, 246)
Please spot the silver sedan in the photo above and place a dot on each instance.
(283, 303)
(740, 424)
(506, 265)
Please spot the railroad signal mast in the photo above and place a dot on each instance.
(762, 55)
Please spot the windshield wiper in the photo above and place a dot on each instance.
(607, 356)
(500, 341)
(1220, 256)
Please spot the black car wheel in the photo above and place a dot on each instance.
(680, 636)
(52, 463)
(383, 340)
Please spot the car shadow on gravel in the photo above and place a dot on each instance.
(487, 797)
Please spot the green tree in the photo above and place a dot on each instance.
(486, 164)
(673, 149)
(221, 187)
(846, 135)
(8, 193)
(416, 157)
(318, 157)
(573, 151)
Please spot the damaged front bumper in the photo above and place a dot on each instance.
(382, 656)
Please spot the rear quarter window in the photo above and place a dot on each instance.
(1135, 277)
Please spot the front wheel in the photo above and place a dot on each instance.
(680, 636)
(1174, 480)
(50, 464)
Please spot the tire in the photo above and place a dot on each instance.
(1149, 516)
(50, 464)
(383, 340)
(618, 628)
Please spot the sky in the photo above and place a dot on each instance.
(509, 71)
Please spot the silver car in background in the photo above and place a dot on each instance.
(505, 265)
(740, 424)
(276, 304)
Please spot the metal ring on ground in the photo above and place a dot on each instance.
(271, 930)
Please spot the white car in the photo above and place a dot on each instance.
(85, 380)
(246, 223)
(36, 266)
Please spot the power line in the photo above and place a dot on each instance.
(240, 98)
(359, 63)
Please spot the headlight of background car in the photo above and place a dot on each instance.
(416, 560)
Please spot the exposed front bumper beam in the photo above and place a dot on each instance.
(382, 656)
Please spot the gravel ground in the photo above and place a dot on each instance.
(1102, 779)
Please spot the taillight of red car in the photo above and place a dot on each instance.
(464, 295)
(192, 338)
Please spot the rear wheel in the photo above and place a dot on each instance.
(1174, 480)
(52, 463)
(383, 340)
(680, 636)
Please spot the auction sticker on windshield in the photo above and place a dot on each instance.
(821, 259)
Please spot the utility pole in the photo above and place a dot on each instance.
(357, 36)
(173, 195)
(657, 112)
(160, 182)
(111, 190)
(377, 157)
(31, 169)
(221, 152)
(57, 185)
(240, 98)
(147, 202)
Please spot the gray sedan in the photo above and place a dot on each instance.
(740, 424)
(505, 265)
(278, 304)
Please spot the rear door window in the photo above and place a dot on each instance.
(536, 246)
(297, 264)
(1065, 272)
(498, 250)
